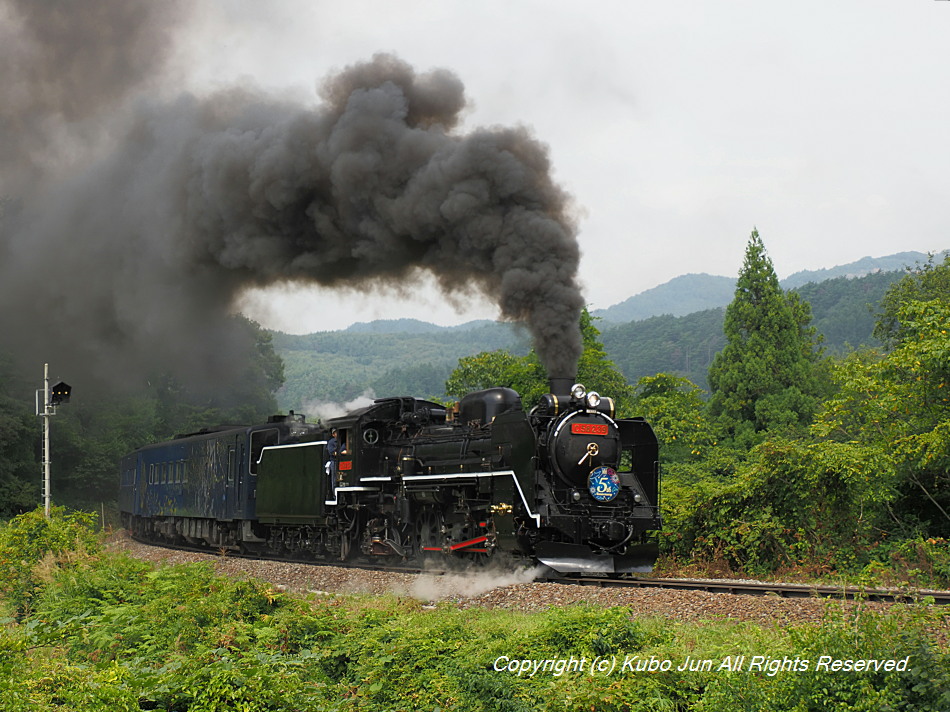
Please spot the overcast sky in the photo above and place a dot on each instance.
(677, 127)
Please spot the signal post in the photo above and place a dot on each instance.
(58, 395)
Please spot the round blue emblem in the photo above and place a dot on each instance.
(603, 483)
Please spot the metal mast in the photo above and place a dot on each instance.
(48, 410)
(59, 394)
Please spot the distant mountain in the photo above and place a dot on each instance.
(393, 326)
(410, 326)
(866, 265)
(697, 292)
(843, 313)
(676, 327)
(680, 296)
(338, 366)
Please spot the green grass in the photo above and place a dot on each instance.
(113, 633)
(101, 631)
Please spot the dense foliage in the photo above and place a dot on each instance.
(927, 282)
(898, 407)
(674, 406)
(19, 474)
(33, 546)
(109, 633)
(863, 492)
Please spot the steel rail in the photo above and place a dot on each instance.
(759, 588)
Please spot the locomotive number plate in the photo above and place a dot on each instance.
(589, 428)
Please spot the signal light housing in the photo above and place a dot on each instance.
(59, 393)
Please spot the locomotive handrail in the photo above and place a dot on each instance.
(533, 515)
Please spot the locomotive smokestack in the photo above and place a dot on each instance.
(560, 385)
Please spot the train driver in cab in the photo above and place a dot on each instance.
(332, 450)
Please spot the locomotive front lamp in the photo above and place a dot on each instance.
(637, 498)
(578, 391)
(593, 399)
(576, 496)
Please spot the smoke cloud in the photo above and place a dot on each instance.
(325, 410)
(131, 225)
(65, 66)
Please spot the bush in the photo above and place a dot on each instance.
(31, 545)
(849, 632)
(914, 561)
(791, 506)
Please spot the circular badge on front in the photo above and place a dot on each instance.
(604, 484)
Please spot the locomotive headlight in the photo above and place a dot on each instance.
(576, 496)
(637, 498)
(578, 391)
(593, 399)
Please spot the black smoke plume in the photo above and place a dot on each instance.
(126, 252)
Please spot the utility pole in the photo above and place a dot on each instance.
(51, 398)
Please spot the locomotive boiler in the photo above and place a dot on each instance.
(565, 483)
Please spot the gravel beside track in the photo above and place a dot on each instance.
(508, 590)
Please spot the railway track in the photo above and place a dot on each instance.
(732, 586)
(759, 588)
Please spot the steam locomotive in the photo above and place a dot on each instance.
(566, 484)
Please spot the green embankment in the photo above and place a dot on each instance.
(86, 630)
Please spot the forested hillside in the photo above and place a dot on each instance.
(684, 345)
(866, 265)
(843, 313)
(339, 366)
(413, 357)
(691, 293)
(680, 296)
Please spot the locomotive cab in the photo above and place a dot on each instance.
(373, 439)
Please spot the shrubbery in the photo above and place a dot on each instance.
(31, 543)
(106, 632)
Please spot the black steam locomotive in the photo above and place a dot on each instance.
(566, 484)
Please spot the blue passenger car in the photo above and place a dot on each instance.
(202, 487)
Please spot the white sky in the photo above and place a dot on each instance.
(676, 126)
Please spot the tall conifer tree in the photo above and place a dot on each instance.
(765, 377)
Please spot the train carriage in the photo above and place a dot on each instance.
(202, 487)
